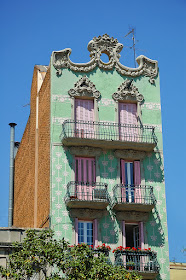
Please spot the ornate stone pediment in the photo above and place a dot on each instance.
(111, 47)
(132, 216)
(130, 154)
(85, 151)
(87, 213)
(84, 87)
(127, 91)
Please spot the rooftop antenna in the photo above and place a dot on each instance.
(132, 31)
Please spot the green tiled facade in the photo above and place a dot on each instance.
(107, 164)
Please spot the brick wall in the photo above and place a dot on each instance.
(44, 154)
(24, 178)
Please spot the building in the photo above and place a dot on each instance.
(90, 163)
(177, 271)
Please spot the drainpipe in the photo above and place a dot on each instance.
(11, 176)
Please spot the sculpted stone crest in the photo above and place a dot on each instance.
(84, 87)
(110, 46)
(127, 91)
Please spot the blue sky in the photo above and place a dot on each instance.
(31, 30)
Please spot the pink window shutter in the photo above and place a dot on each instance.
(123, 181)
(128, 116)
(84, 112)
(124, 234)
(95, 233)
(141, 234)
(76, 231)
(78, 176)
(137, 182)
(141, 238)
(124, 240)
(86, 176)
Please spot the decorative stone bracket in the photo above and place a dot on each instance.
(111, 47)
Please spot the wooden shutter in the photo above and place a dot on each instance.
(85, 175)
(124, 234)
(123, 181)
(141, 234)
(76, 231)
(84, 111)
(137, 182)
(95, 232)
(128, 116)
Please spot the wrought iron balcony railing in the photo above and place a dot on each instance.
(87, 195)
(133, 197)
(141, 261)
(117, 135)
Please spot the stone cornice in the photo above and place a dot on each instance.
(85, 151)
(84, 88)
(127, 92)
(111, 47)
(130, 154)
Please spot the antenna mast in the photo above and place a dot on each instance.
(132, 31)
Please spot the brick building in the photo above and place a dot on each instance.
(90, 163)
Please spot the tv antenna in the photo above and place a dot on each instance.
(134, 41)
(132, 31)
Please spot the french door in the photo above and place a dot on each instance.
(131, 182)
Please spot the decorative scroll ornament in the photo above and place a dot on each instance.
(85, 151)
(127, 91)
(84, 87)
(130, 154)
(110, 46)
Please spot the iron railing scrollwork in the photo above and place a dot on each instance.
(86, 191)
(109, 131)
(137, 194)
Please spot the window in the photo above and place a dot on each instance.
(133, 235)
(130, 180)
(84, 117)
(86, 232)
(128, 120)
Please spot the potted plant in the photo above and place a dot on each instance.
(103, 249)
(130, 265)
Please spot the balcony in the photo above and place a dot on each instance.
(144, 262)
(87, 195)
(131, 197)
(110, 135)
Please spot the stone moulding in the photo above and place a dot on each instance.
(132, 216)
(111, 47)
(84, 87)
(85, 151)
(127, 91)
(87, 213)
(130, 154)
